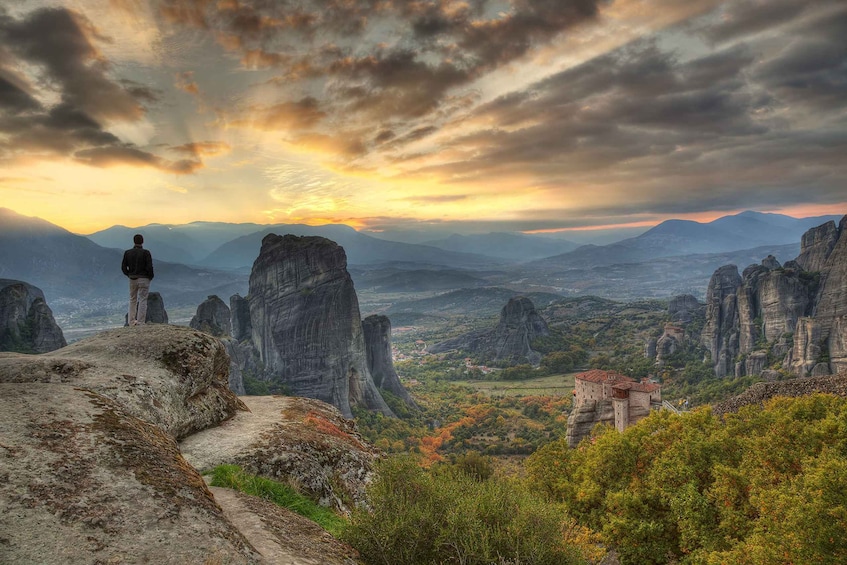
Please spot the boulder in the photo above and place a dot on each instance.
(213, 317)
(26, 322)
(156, 313)
(756, 363)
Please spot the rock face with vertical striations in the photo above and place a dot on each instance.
(795, 313)
(306, 322)
(26, 322)
(509, 342)
(213, 317)
(239, 308)
(816, 246)
(720, 335)
(377, 331)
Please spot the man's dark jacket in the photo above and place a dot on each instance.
(137, 263)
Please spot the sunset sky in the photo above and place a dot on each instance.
(473, 115)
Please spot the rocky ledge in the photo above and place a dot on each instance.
(91, 471)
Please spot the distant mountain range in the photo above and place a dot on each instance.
(69, 267)
(184, 243)
(675, 255)
(684, 237)
(236, 246)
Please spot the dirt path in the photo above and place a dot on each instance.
(209, 448)
(241, 511)
(281, 536)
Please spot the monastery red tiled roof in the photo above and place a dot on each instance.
(600, 376)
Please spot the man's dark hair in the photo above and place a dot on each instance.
(138, 239)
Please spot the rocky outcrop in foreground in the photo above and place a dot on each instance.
(170, 376)
(509, 342)
(92, 472)
(296, 440)
(26, 322)
(91, 469)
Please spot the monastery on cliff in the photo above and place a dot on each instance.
(632, 400)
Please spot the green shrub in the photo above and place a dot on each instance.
(421, 517)
(232, 476)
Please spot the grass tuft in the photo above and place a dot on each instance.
(234, 477)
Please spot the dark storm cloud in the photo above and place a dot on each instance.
(442, 45)
(745, 17)
(716, 128)
(15, 99)
(811, 70)
(634, 102)
(57, 44)
(128, 155)
(58, 41)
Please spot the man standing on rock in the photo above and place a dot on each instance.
(138, 266)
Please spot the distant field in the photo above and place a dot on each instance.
(560, 385)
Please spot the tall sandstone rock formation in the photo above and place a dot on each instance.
(796, 312)
(377, 331)
(510, 341)
(26, 322)
(306, 323)
(720, 335)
